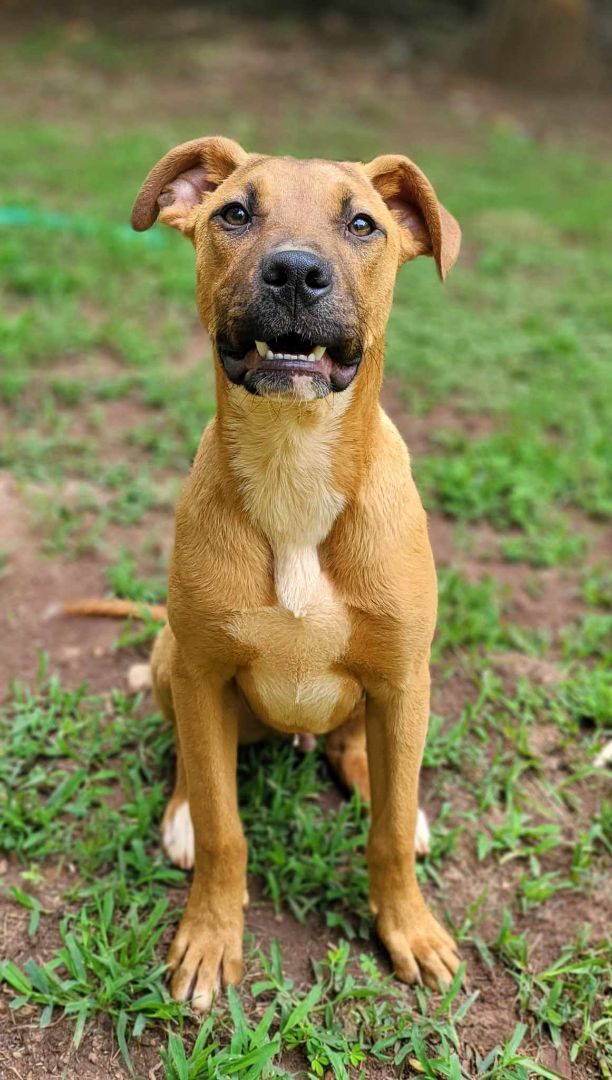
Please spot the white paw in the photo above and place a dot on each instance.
(421, 834)
(177, 835)
(604, 756)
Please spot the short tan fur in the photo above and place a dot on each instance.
(302, 590)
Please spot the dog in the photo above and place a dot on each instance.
(302, 589)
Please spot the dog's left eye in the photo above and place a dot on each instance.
(361, 225)
(235, 215)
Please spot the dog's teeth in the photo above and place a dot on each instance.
(318, 351)
(262, 349)
(269, 355)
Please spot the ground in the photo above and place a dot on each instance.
(499, 383)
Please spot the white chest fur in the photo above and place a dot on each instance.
(296, 682)
(282, 453)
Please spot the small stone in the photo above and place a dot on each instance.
(139, 678)
(515, 666)
(70, 652)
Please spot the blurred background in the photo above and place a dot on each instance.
(500, 383)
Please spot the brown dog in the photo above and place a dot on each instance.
(302, 593)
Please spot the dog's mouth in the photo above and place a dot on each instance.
(291, 351)
(289, 366)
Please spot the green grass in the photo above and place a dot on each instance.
(472, 617)
(519, 335)
(124, 581)
(565, 990)
(63, 754)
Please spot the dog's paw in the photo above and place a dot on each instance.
(421, 950)
(205, 956)
(177, 834)
(422, 835)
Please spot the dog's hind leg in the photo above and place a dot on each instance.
(346, 752)
(345, 748)
(177, 832)
(176, 827)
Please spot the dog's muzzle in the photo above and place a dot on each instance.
(294, 337)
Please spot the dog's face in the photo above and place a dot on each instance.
(296, 259)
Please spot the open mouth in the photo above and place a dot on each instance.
(290, 352)
(289, 365)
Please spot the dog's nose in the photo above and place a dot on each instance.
(296, 277)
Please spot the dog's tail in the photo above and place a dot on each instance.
(110, 608)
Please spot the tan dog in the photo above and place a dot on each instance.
(302, 592)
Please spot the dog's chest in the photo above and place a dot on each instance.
(283, 460)
(284, 465)
(296, 681)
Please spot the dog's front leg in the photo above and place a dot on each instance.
(396, 722)
(207, 950)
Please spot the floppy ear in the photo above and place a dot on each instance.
(176, 185)
(426, 227)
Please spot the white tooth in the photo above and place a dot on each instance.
(262, 349)
(269, 355)
(279, 356)
(311, 357)
(301, 356)
(318, 351)
(288, 356)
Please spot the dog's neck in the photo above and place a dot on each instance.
(295, 464)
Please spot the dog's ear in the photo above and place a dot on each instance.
(426, 226)
(177, 184)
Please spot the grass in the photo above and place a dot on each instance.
(65, 752)
(563, 991)
(105, 386)
(533, 358)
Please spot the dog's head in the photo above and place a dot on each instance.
(296, 259)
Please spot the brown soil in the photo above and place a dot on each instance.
(80, 650)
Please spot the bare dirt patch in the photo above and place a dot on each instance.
(31, 587)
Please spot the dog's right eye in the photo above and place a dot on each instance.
(362, 225)
(235, 215)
